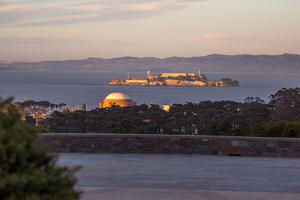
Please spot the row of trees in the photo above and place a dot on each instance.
(252, 118)
(42, 104)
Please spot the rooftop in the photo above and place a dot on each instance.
(117, 95)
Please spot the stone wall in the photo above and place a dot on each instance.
(171, 144)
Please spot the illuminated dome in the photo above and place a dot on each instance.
(117, 95)
(116, 99)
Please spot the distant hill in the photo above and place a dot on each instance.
(289, 63)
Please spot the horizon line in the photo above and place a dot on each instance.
(162, 58)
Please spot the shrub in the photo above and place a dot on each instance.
(27, 170)
(278, 129)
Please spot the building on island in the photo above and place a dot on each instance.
(167, 75)
(148, 74)
(175, 80)
(117, 99)
(136, 80)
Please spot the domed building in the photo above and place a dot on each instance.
(116, 99)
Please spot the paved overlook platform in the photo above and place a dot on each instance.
(184, 177)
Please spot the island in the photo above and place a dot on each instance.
(176, 80)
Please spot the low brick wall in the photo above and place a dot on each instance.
(171, 144)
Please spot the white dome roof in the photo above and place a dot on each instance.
(117, 95)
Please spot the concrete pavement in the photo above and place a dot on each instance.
(172, 177)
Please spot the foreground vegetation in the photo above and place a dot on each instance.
(27, 170)
(278, 118)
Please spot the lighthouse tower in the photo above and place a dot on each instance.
(148, 74)
(199, 74)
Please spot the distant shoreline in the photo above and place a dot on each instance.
(285, 63)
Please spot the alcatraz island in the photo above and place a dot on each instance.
(175, 80)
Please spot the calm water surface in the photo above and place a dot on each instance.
(90, 87)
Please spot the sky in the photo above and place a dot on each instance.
(35, 30)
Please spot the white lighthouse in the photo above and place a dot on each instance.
(148, 74)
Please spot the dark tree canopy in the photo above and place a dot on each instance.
(45, 104)
(285, 104)
(249, 118)
(27, 170)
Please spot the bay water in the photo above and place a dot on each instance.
(75, 88)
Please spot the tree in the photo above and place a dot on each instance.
(123, 126)
(27, 170)
(285, 104)
(278, 129)
(254, 100)
(204, 118)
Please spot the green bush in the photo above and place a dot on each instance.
(279, 129)
(27, 170)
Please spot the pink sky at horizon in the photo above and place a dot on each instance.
(77, 29)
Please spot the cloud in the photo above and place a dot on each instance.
(11, 7)
(216, 37)
(86, 7)
(65, 37)
(76, 11)
(227, 37)
(225, 1)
